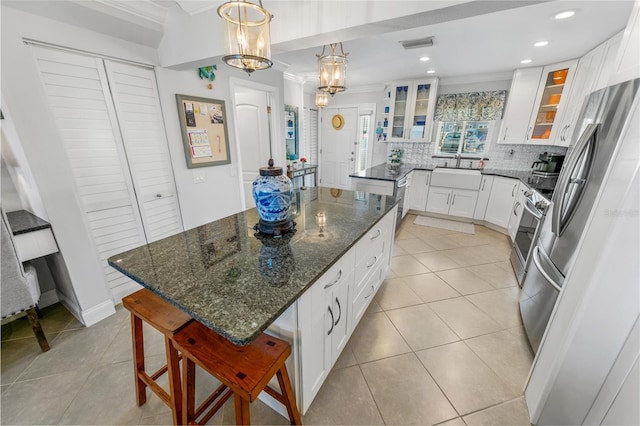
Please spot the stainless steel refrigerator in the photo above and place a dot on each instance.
(604, 115)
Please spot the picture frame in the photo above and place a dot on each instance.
(203, 123)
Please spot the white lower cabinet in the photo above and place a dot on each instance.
(503, 195)
(419, 189)
(483, 197)
(329, 311)
(516, 212)
(454, 202)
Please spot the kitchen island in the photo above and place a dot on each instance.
(240, 284)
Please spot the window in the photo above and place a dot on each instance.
(363, 142)
(465, 121)
(463, 137)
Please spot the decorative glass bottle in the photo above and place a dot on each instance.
(272, 193)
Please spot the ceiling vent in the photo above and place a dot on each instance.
(421, 42)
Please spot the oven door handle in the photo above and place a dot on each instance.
(402, 183)
(532, 209)
(536, 261)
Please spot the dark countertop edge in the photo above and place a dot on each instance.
(406, 169)
(248, 340)
(23, 221)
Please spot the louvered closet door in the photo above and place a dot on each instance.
(138, 109)
(78, 93)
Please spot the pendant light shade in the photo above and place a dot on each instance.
(247, 35)
(332, 70)
(322, 99)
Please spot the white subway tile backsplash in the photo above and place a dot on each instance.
(499, 156)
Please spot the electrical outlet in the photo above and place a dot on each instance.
(199, 177)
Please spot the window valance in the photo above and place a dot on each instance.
(473, 106)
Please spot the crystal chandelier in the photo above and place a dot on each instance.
(332, 70)
(247, 35)
(322, 99)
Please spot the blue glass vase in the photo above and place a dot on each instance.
(272, 193)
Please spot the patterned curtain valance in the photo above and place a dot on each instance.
(474, 106)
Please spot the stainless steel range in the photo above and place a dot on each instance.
(535, 209)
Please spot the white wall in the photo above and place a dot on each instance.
(219, 195)
(85, 288)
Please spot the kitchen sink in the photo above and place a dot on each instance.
(456, 178)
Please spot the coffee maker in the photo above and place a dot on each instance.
(546, 170)
(548, 163)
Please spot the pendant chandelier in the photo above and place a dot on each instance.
(322, 99)
(332, 69)
(247, 35)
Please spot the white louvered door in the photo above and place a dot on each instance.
(140, 119)
(79, 96)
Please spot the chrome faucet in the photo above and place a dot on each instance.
(457, 157)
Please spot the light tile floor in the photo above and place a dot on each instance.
(442, 343)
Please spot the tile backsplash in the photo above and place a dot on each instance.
(499, 156)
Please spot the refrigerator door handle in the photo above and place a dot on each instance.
(536, 261)
(565, 178)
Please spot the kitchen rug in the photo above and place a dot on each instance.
(451, 225)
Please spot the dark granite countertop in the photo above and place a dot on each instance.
(384, 172)
(22, 221)
(237, 284)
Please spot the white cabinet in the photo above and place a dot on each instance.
(520, 101)
(374, 186)
(534, 110)
(411, 110)
(373, 254)
(418, 191)
(611, 48)
(483, 197)
(330, 310)
(551, 101)
(454, 202)
(627, 63)
(516, 212)
(323, 321)
(585, 76)
(503, 195)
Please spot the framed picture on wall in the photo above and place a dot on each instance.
(205, 138)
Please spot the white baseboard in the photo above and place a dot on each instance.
(98, 312)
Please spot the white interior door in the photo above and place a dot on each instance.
(338, 146)
(252, 122)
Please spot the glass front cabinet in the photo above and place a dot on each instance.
(551, 101)
(411, 110)
(291, 131)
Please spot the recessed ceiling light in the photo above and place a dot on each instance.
(541, 43)
(564, 15)
(525, 61)
(431, 71)
(424, 58)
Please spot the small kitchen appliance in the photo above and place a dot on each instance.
(272, 193)
(548, 163)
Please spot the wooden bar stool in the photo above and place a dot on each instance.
(244, 371)
(146, 306)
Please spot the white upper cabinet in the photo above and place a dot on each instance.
(551, 101)
(520, 100)
(411, 110)
(537, 100)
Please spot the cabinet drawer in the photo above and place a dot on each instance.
(339, 271)
(365, 295)
(370, 243)
(366, 268)
(374, 186)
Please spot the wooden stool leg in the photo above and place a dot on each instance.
(138, 358)
(188, 391)
(288, 396)
(37, 329)
(175, 387)
(243, 416)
